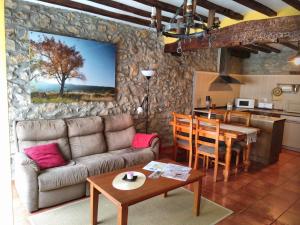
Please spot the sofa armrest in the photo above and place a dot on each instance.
(26, 181)
(155, 147)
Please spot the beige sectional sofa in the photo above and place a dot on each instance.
(92, 145)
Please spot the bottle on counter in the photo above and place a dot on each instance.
(208, 102)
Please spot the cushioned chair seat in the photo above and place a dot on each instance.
(62, 176)
(135, 157)
(100, 163)
(183, 142)
(211, 150)
(238, 146)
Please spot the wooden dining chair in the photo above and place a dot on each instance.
(220, 114)
(239, 118)
(207, 143)
(183, 135)
(242, 119)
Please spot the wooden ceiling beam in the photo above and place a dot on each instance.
(257, 6)
(247, 49)
(98, 11)
(165, 7)
(128, 8)
(258, 48)
(239, 53)
(289, 45)
(245, 33)
(265, 46)
(219, 9)
(294, 3)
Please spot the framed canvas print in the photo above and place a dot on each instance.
(67, 69)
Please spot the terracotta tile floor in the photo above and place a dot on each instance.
(264, 195)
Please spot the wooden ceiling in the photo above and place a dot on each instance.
(139, 12)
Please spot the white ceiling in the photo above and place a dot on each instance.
(276, 5)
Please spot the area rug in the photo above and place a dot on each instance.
(176, 209)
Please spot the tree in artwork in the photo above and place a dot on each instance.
(54, 59)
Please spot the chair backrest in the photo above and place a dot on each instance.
(220, 114)
(183, 128)
(207, 133)
(238, 117)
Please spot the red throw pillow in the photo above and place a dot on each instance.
(46, 156)
(141, 140)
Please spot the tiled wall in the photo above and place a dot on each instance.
(255, 86)
(260, 87)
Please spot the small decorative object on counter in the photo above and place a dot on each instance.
(207, 102)
(229, 105)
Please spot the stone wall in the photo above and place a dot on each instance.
(269, 64)
(137, 49)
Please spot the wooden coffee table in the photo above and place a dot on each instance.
(102, 184)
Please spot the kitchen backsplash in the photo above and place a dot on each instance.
(260, 87)
(255, 86)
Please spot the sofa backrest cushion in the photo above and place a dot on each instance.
(37, 132)
(86, 136)
(119, 131)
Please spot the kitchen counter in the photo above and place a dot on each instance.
(273, 111)
(266, 112)
(253, 116)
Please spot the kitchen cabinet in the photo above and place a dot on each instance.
(268, 146)
(291, 135)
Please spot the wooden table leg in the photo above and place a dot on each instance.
(165, 194)
(94, 198)
(197, 196)
(122, 215)
(226, 170)
(247, 161)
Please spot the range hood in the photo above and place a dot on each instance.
(224, 68)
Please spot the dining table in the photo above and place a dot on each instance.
(229, 133)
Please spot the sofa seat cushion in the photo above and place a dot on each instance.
(134, 157)
(101, 163)
(55, 178)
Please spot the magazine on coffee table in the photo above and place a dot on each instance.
(169, 170)
(155, 166)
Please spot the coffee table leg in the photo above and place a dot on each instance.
(197, 196)
(165, 194)
(122, 215)
(94, 198)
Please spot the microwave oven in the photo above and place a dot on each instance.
(245, 103)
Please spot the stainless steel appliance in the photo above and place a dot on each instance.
(245, 103)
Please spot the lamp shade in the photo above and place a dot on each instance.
(148, 73)
(140, 110)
